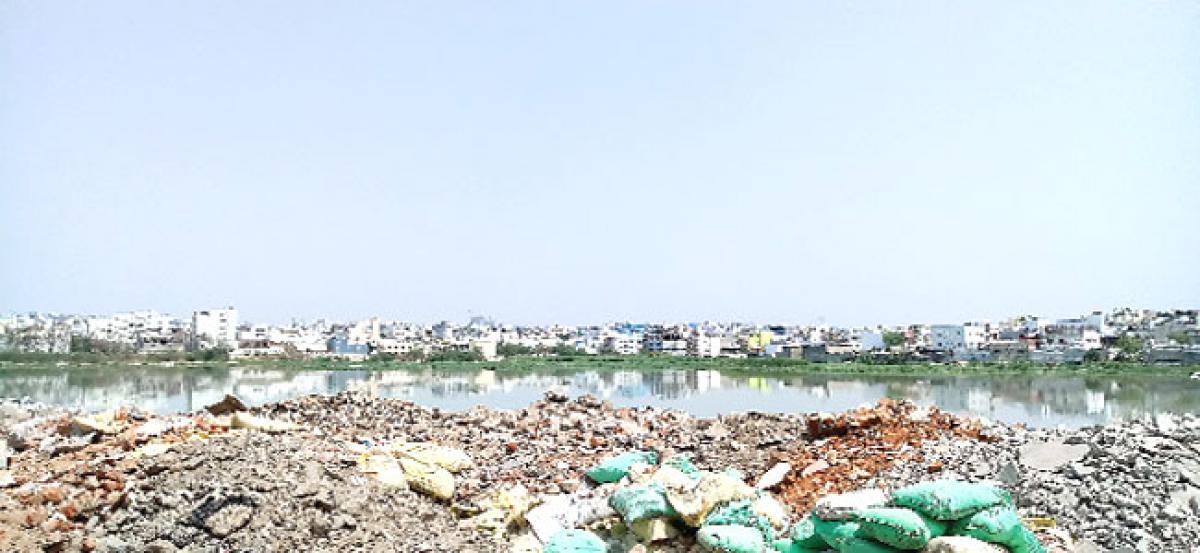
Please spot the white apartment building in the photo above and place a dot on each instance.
(706, 346)
(957, 337)
(622, 344)
(215, 328)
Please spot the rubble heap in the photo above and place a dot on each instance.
(845, 451)
(352, 472)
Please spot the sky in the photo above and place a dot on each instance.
(575, 162)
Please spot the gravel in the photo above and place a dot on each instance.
(1133, 485)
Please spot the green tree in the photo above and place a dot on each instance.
(563, 350)
(513, 350)
(456, 355)
(1181, 337)
(210, 354)
(894, 339)
(1130, 347)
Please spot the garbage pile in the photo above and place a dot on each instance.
(845, 451)
(942, 516)
(639, 499)
(425, 467)
(351, 472)
(61, 471)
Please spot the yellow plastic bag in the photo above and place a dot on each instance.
(430, 479)
(451, 459)
(383, 468)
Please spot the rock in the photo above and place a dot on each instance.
(228, 520)
(773, 477)
(1187, 501)
(58, 445)
(100, 423)
(1051, 455)
(262, 424)
(1010, 474)
(228, 405)
(161, 546)
(815, 467)
(1165, 423)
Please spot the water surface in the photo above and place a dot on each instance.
(1036, 400)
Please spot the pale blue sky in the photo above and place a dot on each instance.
(846, 162)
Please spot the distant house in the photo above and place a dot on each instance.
(342, 348)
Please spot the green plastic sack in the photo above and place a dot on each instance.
(615, 468)
(637, 502)
(804, 533)
(1028, 543)
(950, 499)
(731, 539)
(899, 528)
(999, 524)
(574, 541)
(835, 532)
(741, 513)
(863, 545)
(683, 464)
(789, 546)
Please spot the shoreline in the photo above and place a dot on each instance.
(748, 366)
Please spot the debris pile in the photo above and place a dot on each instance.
(351, 472)
(845, 451)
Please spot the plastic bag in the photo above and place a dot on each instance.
(741, 513)
(999, 524)
(694, 503)
(789, 546)
(950, 499)
(506, 508)
(431, 479)
(451, 459)
(654, 529)
(574, 541)
(856, 544)
(638, 502)
(1028, 543)
(683, 464)
(383, 468)
(768, 507)
(804, 534)
(843, 506)
(613, 469)
(836, 533)
(961, 544)
(731, 539)
(900, 528)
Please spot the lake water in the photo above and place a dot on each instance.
(1035, 400)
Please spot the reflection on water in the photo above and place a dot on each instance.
(1040, 401)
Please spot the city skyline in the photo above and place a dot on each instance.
(538, 162)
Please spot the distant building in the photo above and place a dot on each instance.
(215, 328)
(957, 338)
(341, 347)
